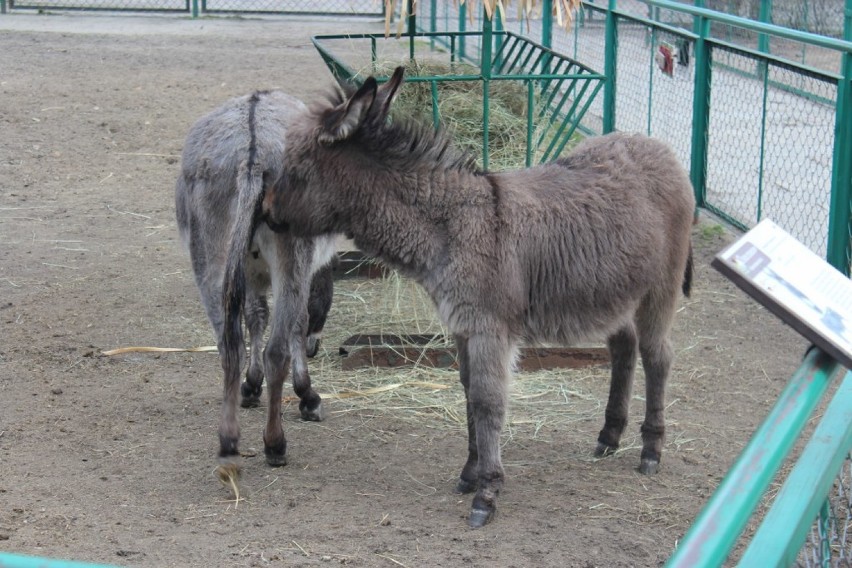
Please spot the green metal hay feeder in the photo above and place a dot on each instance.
(559, 90)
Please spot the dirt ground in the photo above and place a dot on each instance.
(110, 459)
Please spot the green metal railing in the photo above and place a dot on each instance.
(784, 530)
(19, 561)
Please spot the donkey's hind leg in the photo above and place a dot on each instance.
(654, 320)
(622, 350)
(256, 313)
(319, 304)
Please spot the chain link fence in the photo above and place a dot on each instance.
(770, 144)
(830, 541)
(306, 7)
(823, 17)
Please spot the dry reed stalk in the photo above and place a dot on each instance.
(564, 11)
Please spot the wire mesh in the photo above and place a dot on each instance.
(327, 7)
(830, 541)
(771, 140)
(655, 84)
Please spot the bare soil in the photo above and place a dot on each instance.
(110, 459)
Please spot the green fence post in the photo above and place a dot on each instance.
(2, 6)
(546, 32)
(462, 28)
(485, 70)
(433, 5)
(837, 253)
(412, 29)
(194, 8)
(610, 68)
(700, 113)
(764, 15)
(695, 25)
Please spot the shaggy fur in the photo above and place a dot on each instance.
(226, 158)
(597, 242)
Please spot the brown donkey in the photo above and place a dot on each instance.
(595, 242)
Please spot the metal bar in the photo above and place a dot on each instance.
(8, 560)
(412, 29)
(436, 115)
(714, 533)
(784, 529)
(554, 89)
(2, 6)
(762, 152)
(610, 68)
(839, 216)
(751, 25)
(700, 114)
(764, 15)
(530, 110)
(462, 27)
(497, 23)
(485, 68)
(651, 65)
(546, 31)
(571, 110)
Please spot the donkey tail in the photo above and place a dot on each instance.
(250, 193)
(687, 274)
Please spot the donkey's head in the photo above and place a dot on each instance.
(326, 153)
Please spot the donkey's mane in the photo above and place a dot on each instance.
(405, 142)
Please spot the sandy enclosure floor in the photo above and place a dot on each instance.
(110, 459)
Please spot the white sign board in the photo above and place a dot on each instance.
(795, 284)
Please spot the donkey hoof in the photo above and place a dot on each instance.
(312, 346)
(276, 456)
(604, 450)
(649, 466)
(276, 460)
(480, 517)
(250, 396)
(464, 487)
(317, 414)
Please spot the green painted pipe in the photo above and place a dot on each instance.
(786, 526)
(18, 561)
(717, 528)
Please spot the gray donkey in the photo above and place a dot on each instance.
(597, 242)
(227, 157)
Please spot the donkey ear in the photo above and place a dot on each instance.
(345, 119)
(387, 92)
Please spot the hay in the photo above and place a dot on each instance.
(460, 110)
(540, 402)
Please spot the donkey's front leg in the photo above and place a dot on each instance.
(468, 478)
(489, 358)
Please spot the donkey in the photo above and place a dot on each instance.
(597, 242)
(227, 157)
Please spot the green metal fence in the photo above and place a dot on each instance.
(201, 7)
